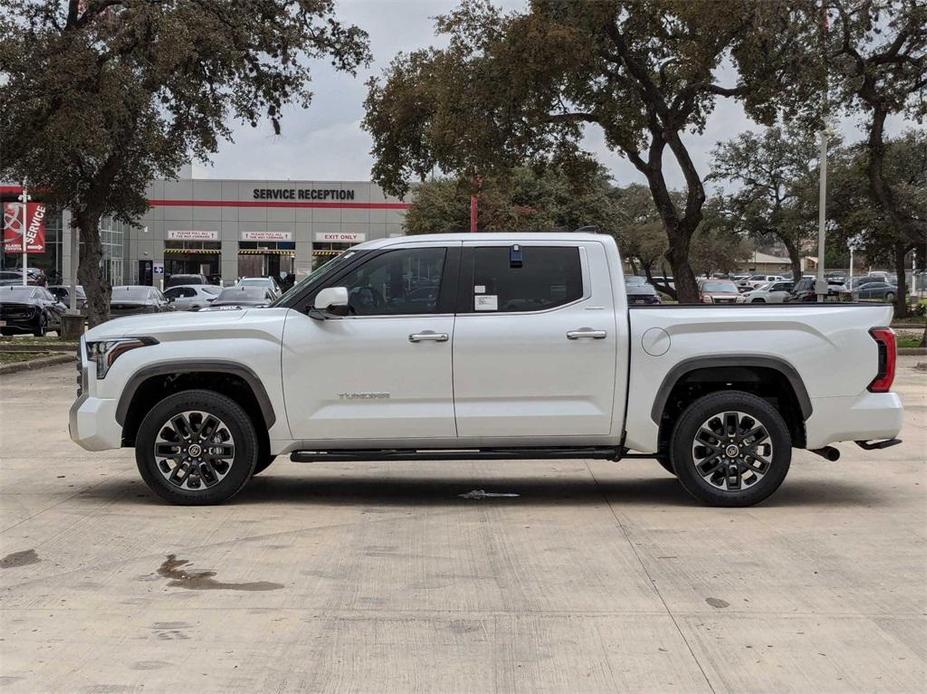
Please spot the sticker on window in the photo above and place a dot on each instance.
(486, 302)
(479, 289)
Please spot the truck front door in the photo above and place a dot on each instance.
(384, 371)
(536, 343)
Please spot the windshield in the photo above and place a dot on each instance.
(255, 282)
(210, 289)
(16, 293)
(719, 286)
(233, 294)
(318, 273)
(133, 293)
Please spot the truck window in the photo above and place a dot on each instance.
(396, 283)
(542, 277)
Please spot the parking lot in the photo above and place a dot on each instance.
(379, 577)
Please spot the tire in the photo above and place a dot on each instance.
(666, 464)
(889, 298)
(758, 301)
(264, 461)
(702, 473)
(180, 418)
(41, 327)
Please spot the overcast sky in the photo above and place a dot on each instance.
(326, 141)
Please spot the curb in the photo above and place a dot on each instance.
(912, 351)
(36, 363)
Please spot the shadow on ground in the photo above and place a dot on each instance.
(436, 491)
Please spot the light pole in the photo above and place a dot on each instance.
(853, 243)
(24, 198)
(820, 285)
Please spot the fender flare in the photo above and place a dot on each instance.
(730, 360)
(185, 366)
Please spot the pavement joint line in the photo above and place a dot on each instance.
(366, 612)
(650, 578)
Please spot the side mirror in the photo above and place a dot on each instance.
(332, 301)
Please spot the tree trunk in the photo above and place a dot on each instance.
(97, 290)
(794, 257)
(901, 296)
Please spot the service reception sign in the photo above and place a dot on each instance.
(13, 228)
(338, 237)
(192, 235)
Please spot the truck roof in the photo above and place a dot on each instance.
(512, 236)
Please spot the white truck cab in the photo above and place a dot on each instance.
(461, 346)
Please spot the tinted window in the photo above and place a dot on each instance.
(396, 283)
(544, 277)
(134, 293)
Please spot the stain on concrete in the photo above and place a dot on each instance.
(24, 558)
(9, 679)
(150, 665)
(717, 602)
(204, 580)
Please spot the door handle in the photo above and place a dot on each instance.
(428, 336)
(587, 334)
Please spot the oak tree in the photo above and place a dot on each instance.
(522, 86)
(99, 97)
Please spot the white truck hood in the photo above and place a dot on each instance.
(186, 324)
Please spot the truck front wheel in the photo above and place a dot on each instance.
(731, 448)
(196, 447)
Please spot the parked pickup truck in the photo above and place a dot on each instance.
(494, 346)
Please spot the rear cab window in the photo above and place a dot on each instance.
(520, 278)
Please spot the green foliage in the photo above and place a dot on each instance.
(528, 199)
(516, 88)
(101, 96)
(770, 172)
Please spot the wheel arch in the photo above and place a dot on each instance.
(769, 377)
(152, 383)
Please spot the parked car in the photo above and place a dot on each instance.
(754, 281)
(180, 279)
(62, 292)
(642, 294)
(804, 291)
(264, 282)
(241, 297)
(192, 297)
(29, 309)
(770, 293)
(34, 277)
(719, 292)
(634, 280)
(882, 291)
(539, 358)
(127, 300)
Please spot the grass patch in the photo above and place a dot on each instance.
(19, 357)
(38, 341)
(909, 340)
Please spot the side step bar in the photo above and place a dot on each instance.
(877, 445)
(377, 454)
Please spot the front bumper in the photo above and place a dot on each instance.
(92, 423)
(865, 417)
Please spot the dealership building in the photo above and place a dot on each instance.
(226, 229)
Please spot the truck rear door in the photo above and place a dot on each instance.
(535, 342)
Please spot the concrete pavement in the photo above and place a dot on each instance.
(379, 577)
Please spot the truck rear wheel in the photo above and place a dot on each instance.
(731, 449)
(196, 447)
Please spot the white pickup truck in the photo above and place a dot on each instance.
(500, 346)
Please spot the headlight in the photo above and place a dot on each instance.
(105, 352)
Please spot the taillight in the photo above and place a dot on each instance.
(885, 339)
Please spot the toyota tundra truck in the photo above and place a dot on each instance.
(493, 346)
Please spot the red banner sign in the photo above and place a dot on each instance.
(13, 228)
